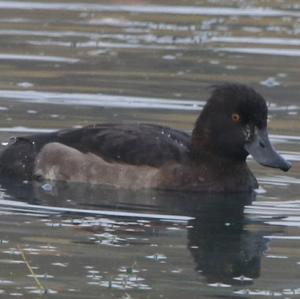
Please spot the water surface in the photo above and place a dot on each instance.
(68, 64)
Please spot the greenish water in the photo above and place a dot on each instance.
(65, 64)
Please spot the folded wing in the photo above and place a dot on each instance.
(141, 144)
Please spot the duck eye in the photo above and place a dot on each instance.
(235, 117)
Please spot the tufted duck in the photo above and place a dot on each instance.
(232, 125)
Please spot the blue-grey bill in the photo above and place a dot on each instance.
(264, 153)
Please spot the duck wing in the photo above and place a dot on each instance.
(141, 144)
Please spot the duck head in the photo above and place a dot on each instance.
(233, 124)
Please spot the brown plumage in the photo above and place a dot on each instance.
(232, 125)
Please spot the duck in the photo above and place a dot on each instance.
(231, 126)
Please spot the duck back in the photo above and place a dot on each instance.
(140, 144)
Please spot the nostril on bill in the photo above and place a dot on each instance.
(261, 144)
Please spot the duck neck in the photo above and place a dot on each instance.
(204, 151)
(214, 161)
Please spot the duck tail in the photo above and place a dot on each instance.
(17, 159)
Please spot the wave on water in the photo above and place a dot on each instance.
(17, 207)
(102, 100)
(37, 58)
(262, 51)
(120, 101)
(149, 9)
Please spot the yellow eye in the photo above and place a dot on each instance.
(236, 117)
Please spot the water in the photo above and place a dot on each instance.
(65, 64)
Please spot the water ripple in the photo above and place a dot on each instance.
(256, 40)
(102, 100)
(17, 206)
(37, 58)
(150, 9)
(262, 51)
(275, 208)
(120, 101)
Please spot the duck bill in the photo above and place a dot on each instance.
(264, 153)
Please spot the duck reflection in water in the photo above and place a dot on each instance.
(223, 248)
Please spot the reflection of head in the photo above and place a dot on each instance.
(222, 249)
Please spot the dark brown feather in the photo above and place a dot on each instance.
(136, 144)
